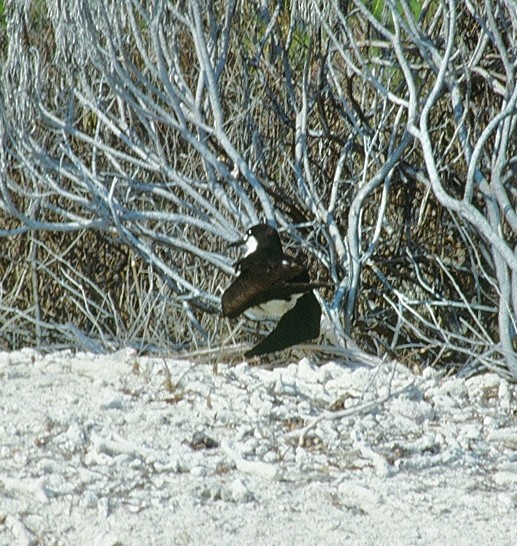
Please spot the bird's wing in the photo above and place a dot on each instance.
(299, 324)
(274, 279)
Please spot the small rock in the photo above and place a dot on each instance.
(237, 492)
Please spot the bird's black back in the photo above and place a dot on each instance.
(262, 279)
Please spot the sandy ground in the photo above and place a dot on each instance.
(119, 449)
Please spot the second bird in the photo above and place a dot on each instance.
(273, 285)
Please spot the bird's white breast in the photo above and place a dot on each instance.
(272, 309)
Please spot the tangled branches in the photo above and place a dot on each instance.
(139, 138)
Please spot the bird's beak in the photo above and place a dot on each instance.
(239, 242)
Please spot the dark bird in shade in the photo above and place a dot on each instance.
(272, 285)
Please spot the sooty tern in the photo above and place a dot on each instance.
(271, 284)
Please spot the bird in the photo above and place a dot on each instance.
(273, 285)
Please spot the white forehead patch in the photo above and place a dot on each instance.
(251, 245)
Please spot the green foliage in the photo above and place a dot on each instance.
(377, 8)
(3, 32)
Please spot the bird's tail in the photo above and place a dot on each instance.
(300, 324)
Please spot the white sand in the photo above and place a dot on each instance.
(98, 450)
